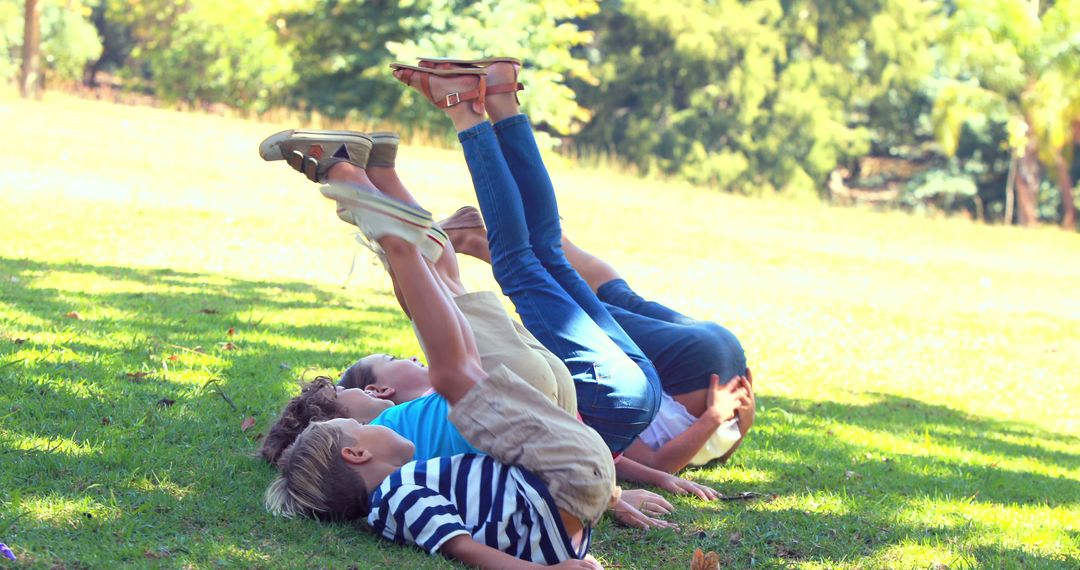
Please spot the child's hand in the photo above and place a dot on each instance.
(682, 486)
(721, 402)
(589, 563)
(647, 502)
(630, 516)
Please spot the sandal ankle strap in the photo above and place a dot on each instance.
(463, 96)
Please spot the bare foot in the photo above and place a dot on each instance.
(502, 105)
(472, 242)
(349, 173)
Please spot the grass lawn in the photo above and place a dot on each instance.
(159, 284)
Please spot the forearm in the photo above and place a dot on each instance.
(629, 470)
(677, 453)
(433, 312)
(464, 549)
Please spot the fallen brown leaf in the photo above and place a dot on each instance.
(137, 376)
(74, 315)
(247, 424)
(174, 357)
(208, 311)
(228, 346)
(231, 331)
(705, 561)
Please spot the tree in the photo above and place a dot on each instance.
(1006, 60)
(203, 51)
(30, 77)
(343, 48)
(754, 95)
(43, 41)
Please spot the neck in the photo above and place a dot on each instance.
(409, 394)
(374, 472)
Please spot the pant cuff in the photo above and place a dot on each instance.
(510, 122)
(474, 131)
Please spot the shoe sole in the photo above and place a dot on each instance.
(432, 248)
(270, 147)
(482, 62)
(356, 197)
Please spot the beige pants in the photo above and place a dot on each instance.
(513, 422)
(501, 340)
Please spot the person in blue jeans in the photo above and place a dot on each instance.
(618, 389)
(708, 402)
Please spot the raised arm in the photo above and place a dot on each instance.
(722, 403)
(453, 368)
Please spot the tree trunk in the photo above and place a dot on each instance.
(1065, 185)
(30, 78)
(1027, 184)
(1010, 185)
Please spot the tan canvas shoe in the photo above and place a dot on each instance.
(314, 152)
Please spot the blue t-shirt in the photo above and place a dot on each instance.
(423, 422)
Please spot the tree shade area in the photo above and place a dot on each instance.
(962, 106)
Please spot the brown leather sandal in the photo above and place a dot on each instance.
(483, 63)
(451, 99)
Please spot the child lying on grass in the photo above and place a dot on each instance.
(546, 480)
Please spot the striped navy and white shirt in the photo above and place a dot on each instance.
(503, 506)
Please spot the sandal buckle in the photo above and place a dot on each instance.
(453, 99)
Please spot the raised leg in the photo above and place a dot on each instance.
(615, 396)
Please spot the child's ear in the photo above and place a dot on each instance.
(380, 392)
(356, 455)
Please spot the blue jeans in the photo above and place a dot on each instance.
(685, 351)
(617, 387)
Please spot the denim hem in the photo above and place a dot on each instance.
(510, 122)
(474, 131)
(604, 292)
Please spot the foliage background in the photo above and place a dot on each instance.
(964, 102)
(916, 378)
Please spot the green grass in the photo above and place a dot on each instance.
(917, 378)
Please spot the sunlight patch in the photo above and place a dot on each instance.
(160, 485)
(60, 511)
(38, 444)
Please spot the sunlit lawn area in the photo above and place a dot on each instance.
(159, 284)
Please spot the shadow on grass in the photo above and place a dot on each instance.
(105, 464)
(865, 500)
(121, 440)
(948, 434)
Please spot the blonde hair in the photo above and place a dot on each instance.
(314, 479)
